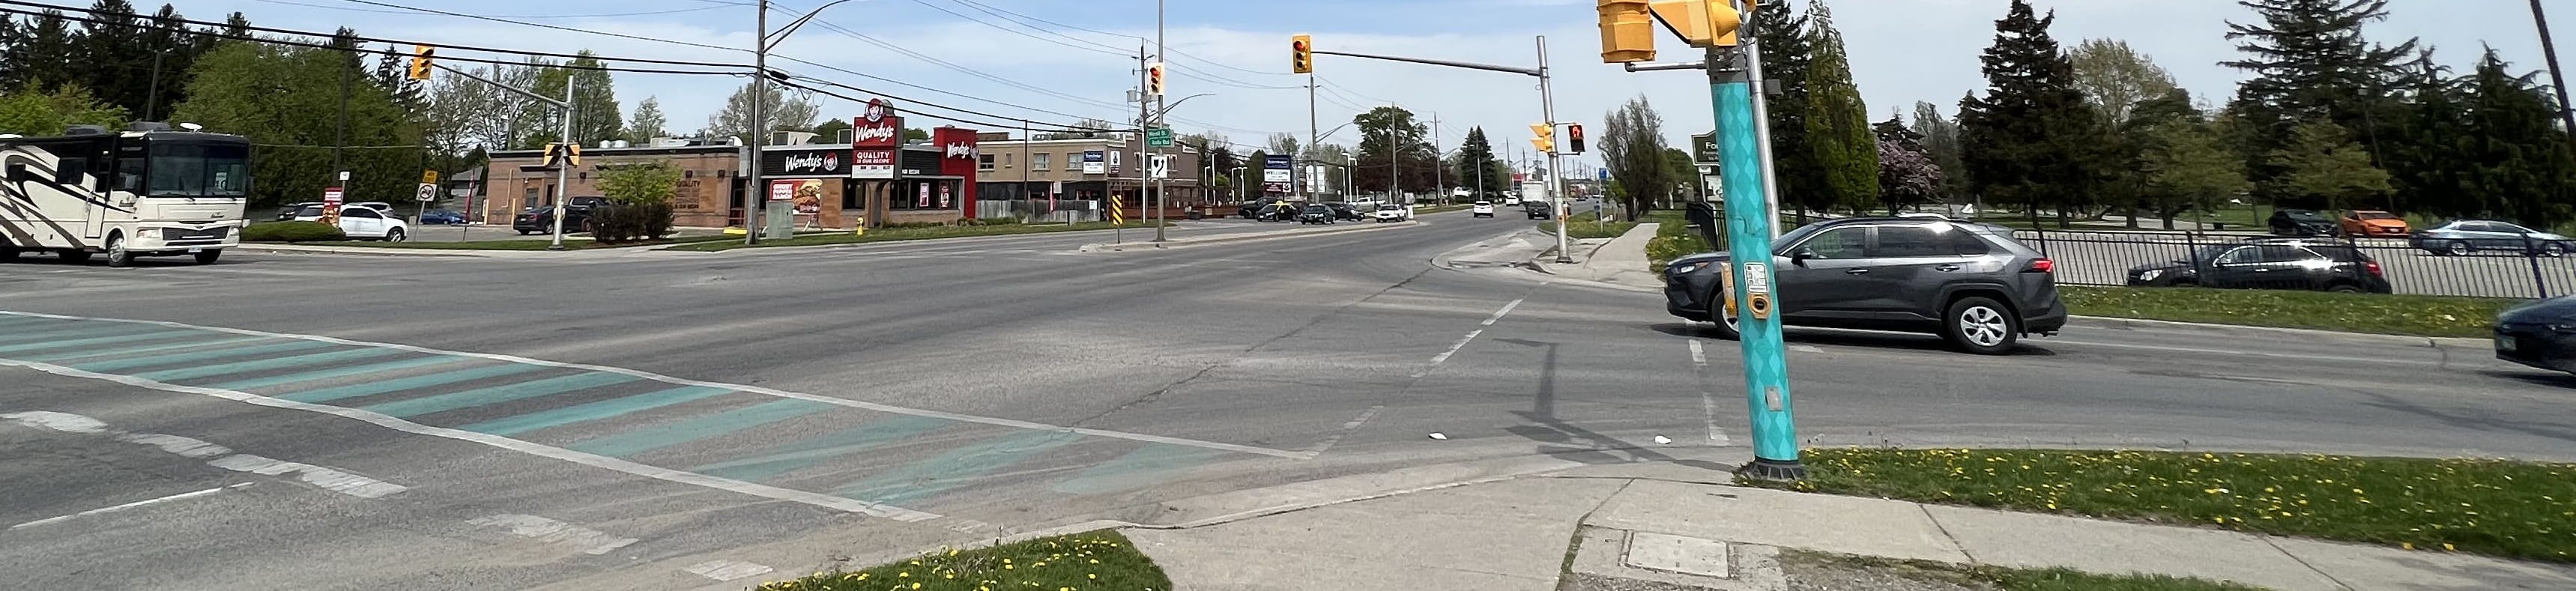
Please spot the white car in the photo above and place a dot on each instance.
(1393, 213)
(361, 222)
(1484, 209)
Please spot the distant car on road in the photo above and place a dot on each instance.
(1484, 209)
(2464, 237)
(1316, 214)
(362, 222)
(1252, 209)
(2362, 223)
(1538, 210)
(2540, 334)
(1344, 211)
(1389, 212)
(1280, 211)
(2269, 264)
(1974, 286)
(2300, 223)
(442, 217)
(541, 220)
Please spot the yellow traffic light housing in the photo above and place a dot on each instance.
(1301, 51)
(1627, 32)
(1154, 79)
(1702, 23)
(420, 60)
(1543, 136)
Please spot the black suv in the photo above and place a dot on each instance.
(1972, 284)
(2269, 264)
(1538, 210)
(540, 220)
(2301, 222)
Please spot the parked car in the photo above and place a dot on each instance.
(293, 210)
(379, 206)
(1277, 212)
(1483, 209)
(1538, 210)
(2364, 223)
(541, 220)
(2540, 334)
(1971, 284)
(2463, 237)
(1345, 212)
(1390, 212)
(1316, 214)
(442, 217)
(2300, 222)
(361, 222)
(1252, 209)
(2269, 264)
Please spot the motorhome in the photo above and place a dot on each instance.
(146, 191)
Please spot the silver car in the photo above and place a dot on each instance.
(2464, 237)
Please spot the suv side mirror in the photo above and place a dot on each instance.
(1800, 257)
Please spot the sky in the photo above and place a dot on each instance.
(1053, 61)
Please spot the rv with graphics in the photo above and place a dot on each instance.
(147, 191)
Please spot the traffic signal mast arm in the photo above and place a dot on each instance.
(559, 103)
(1435, 62)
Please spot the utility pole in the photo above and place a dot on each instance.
(1555, 182)
(1438, 191)
(563, 169)
(756, 192)
(1163, 186)
(2557, 77)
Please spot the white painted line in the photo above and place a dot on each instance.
(1345, 431)
(886, 408)
(1443, 357)
(586, 459)
(184, 495)
(1507, 309)
(1707, 396)
(334, 480)
(2252, 353)
(1807, 348)
(588, 541)
(726, 570)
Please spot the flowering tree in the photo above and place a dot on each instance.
(1906, 175)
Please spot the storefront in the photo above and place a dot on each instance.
(812, 179)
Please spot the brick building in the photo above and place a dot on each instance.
(1012, 169)
(813, 178)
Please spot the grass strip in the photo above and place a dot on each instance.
(1585, 225)
(898, 234)
(1090, 560)
(2512, 509)
(1801, 563)
(514, 244)
(2410, 315)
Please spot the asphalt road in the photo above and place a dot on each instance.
(683, 420)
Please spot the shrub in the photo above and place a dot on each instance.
(630, 222)
(991, 222)
(902, 225)
(1674, 239)
(292, 232)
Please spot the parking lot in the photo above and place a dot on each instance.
(2105, 257)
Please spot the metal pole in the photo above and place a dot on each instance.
(1162, 186)
(1024, 170)
(1395, 166)
(754, 192)
(2557, 77)
(1762, 136)
(1438, 191)
(340, 134)
(1555, 182)
(563, 169)
(1749, 233)
(1312, 139)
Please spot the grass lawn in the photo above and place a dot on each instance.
(1090, 560)
(515, 244)
(1808, 563)
(2412, 315)
(2503, 508)
(894, 234)
(1584, 225)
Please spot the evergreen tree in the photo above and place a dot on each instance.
(2017, 139)
(2522, 162)
(177, 48)
(289, 99)
(1941, 142)
(1787, 55)
(41, 57)
(1475, 154)
(2311, 63)
(2325, 169)
(236, 26)
(648, 121)
(2428, 153)
(113, 61)
(1838, 120)
(595, 112)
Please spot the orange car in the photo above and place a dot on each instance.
(2365, 224)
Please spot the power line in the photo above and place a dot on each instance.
(255, 39)
(997, 125)
(844, 31)
(543, 25)
(1091, 47)
(408, 11)
(220, 26)
(934, 90)
(940, 106)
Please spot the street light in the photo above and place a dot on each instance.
(763, 41)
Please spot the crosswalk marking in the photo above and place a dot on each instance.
(653, 438)
(410, 383)
(200, 355)
(593, 411)
(1137, 469)
(83, 342)
(808, 452)
(197, 342)
(917, 480)
(496, 394)
(340, 372)
(263, 364)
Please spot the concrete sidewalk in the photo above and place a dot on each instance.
(1619, 262)
(1665, 526)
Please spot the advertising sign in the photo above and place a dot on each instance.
(331, 204)
(1095, 162)
(872, 164)
(958, 157)
(922, 200)
(784, 189)
(1275, 168)
(809, 197)
(875, 139)
(789, 162)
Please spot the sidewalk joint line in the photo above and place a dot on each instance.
(1945, 531)
(2276, 547)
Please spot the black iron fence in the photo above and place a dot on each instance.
(2106, 257)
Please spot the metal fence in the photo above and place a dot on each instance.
(2104, 257)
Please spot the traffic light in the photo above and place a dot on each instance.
(1301, 51)
(420, 56)
(1574, 137)
(1543, 136)
(1154, 79)
(1627, 32)
(572, 153)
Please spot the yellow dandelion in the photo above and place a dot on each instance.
(2446, 547)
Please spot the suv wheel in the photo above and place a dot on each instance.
(1981, 326)
(2344, 288)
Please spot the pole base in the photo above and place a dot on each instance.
(1773, 470)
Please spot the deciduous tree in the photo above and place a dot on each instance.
(1632, 146)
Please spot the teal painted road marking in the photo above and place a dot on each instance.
(1147, 465)
(398, 385)
(813, 450)
(51, 333)
(592, 411)
(193, 343)
(927, 478)
(265, 364)
(337, 372)
(79, 352)
(653, 438)
(499, 394)
(201, 355)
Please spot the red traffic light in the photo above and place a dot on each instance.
(1574, 131)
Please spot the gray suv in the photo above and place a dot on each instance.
(1970, 283)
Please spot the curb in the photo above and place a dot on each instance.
(2124, 323)
(1186, 243)
(367, 251)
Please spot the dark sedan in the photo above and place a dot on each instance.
(2540, 334)
(2269, 264)
(2302, 222)
(1316, 214)
(442, 217)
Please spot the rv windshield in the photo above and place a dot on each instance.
(199, 170)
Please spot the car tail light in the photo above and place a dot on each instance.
(2040, 265)
(2373, 266)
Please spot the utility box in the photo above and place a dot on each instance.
(780, 222)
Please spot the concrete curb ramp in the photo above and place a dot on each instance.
(1247, 237)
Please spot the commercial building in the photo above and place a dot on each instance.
(1037, 178)
(814, 179)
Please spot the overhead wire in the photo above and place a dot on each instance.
(408, 11)
(547, 26)
(370, 39)
(218, 34)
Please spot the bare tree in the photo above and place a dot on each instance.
(782, 110)
(648, 121)
(2115, 77)
(1632, 145)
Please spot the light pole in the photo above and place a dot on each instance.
(761, 42)
(2557, 77)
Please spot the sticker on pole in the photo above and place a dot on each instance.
(1757, 278)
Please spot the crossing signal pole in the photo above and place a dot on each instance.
(1728, 30)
